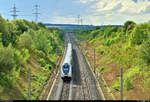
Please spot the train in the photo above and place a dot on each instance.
(66, 68)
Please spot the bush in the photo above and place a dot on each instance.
(25, 41)
(7, 61)
(147, 82)
(128, 25)
(6, 80)
(20, 39)
(100, 69)
(21, 56)
(145, 51)
(101, 52)
(42, 62)
(116, 87)
(127, 84)
(139, 34)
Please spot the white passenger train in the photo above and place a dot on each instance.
(66, 68)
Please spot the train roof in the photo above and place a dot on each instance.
(68, 54)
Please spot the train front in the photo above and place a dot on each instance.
(66, 71)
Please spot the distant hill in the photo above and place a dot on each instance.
(75, 26)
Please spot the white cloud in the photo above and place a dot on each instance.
(120, 6)
(86, 1)
(113, 6)
(118, 11)
(135, 8)
(62, 19)
(111, 12)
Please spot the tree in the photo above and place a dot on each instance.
(41, 25)
(145, 51)
(129, 24)
(139, 34)
(7, 61)
(25, 41)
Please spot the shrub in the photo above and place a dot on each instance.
(145, 51)
(127, 84)
(116, 87)
(21, 56)
(147, 82)
(139, 34)
(100, 69)
(128, 25)
(7, 61)
(40, 53)
(25, 41)
(42, 62)
(101, 52)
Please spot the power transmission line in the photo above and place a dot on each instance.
(36, 12)
(14, 11)
(78, 19)
(81, 21)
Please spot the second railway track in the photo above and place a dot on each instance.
(65, 91)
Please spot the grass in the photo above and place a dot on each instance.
(100, 69)
(127, 84)
(115, 87)
(132, 72)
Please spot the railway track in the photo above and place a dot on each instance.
(82, 86)
(65, 91)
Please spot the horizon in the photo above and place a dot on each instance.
(93, 12)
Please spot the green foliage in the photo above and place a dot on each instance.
(25, 41)
(6, 80)
(24, 54)
(41, 41)
(21, 41)
(139, 34)
(116, 87)
(101, 52)
(145, 51)
(41, 25)
(100, 69)
(132, 72)
(128, 46)
(127, 84)
(128, 25)
(7, 61)
(110, 31)
(42, 61)
(147, 82)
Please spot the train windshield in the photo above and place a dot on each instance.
(66, 68)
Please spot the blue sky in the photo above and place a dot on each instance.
(96, 12)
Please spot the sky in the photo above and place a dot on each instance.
(95, 12)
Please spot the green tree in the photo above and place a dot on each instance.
(145, 51)
(7, 61)
(25, 41)
(128, 25)
(41, 25)
(139, 34)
